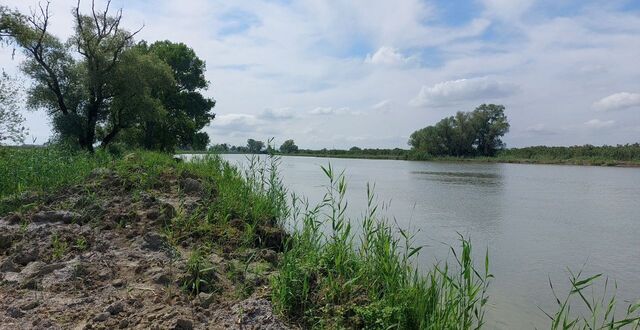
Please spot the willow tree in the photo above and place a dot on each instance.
(75, 90)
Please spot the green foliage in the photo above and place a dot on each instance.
(328, 280)
(187, 111)
(288, 147)
(201, 273)
(149, 96)
(254, 147)
(476, 133)
(599, 311)
(59, 247)
(596, 155)
(44, 169)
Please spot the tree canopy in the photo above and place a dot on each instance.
(100, 86)
(288, 147)
(478, 132)
(254, 146)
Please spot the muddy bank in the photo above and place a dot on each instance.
(107, 254)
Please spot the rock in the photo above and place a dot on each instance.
(55, 216)
(183, 324)
(269, 255)
(8, 266)
(116, 308)
(5, 241)
(118, 283)
(161, 278)
(22, 258)
(14, 312)
(13, 219)
(154, 241)
(123, 324)
(205, 299)
(153, 214)
(101, 317)
(271, 237)
(30, 305)
(191, 186)
(39, 268)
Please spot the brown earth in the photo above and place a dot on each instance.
(97, 256)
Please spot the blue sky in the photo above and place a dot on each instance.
(341, 73)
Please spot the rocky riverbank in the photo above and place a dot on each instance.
(104, 254)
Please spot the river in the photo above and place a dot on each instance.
(537, 221)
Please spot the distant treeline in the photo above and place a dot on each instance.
(621, 152)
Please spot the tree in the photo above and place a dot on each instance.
(254, 147)
(187, 110)
(490, 124)
(466, 134)
(138, 85)
(288, 147)
(76, 90)
(200, 141)
(355, 149)
(11, 128)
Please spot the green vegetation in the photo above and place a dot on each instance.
(334, 272)
(100, 86)
(368, 281)
(288, 147)
(476, 133)
(44, 169)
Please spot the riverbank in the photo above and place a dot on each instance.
(145, 240)
(496, 159)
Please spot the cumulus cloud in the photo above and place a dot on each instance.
(387, 56)
(618, 101)
(598, 124)
(455, 91)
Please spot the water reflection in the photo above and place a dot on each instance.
(470, 178)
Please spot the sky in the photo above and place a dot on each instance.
(336, 74)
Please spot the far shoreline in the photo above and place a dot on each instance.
(526, 161)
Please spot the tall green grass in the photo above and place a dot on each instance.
(44, 169)
(332, 277)
(583, 307)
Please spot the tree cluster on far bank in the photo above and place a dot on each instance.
(475, 133)
(101, 87)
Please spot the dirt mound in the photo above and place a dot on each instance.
(101, 255)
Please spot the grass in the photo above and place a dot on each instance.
(333, 278)
(599, 309)
(335, 272)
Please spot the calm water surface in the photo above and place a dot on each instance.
(536, 221)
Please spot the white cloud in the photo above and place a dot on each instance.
(455, 91)
(323, 111)
(540, 129)
(276, 114)
(382, 105)
(387, 56)
(598, 124)
(618, 101)
(235, 122)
